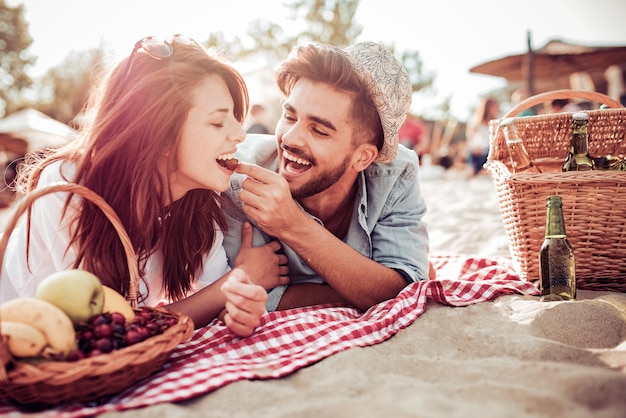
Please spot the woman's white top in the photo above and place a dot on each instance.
(48, 253)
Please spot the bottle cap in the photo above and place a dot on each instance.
(581, 115)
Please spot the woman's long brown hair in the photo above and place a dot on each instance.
(132, 120)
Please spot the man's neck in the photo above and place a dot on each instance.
(333, 207)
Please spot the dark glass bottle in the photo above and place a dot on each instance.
(520, 160)
(557, 276)
(609, 162)
(578, 158)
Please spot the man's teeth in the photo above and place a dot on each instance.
(295, 159)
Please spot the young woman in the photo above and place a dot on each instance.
(160, 126)
(477, 133)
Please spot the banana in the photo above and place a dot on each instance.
(115, 302)
(24, 340)
(51, 321)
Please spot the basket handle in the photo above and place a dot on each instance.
(561, 94)
(29, 198)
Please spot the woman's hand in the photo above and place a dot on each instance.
(245, 303)
(262, 265)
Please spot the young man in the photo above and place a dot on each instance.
(333, 186)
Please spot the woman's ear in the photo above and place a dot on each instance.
(364, 155)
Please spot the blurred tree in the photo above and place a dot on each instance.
(415, 67)
(14, 42)
(324, 21)
(328, 21)
(63, 90)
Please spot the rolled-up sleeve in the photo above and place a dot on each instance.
(394, 217)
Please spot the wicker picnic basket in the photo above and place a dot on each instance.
(92, 378)
(594, 202)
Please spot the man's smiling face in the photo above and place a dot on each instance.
(315, 138)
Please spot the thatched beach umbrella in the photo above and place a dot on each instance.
(551, 66)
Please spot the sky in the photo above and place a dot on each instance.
(451, 36)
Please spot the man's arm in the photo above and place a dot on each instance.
(358, 279)
(309, 294)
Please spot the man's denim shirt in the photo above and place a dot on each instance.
(386, 225)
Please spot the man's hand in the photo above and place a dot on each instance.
(245, 303)
(267, 199)
(262, 265)
(432, 273)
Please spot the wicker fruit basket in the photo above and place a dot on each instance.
(594, 202)
(92, 378)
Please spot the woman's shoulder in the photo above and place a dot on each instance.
(57, 171)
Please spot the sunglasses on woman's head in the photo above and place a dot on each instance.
(157, 48)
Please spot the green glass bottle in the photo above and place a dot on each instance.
(520, 160)
(610, 162)
(557, 276)
(578, 158)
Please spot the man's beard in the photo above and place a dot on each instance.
(325, 180)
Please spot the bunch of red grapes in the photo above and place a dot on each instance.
(109, 331)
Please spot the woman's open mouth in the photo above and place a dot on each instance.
(227, 161)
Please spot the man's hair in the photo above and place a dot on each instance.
(325, 64)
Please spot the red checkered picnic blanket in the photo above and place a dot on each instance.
(289, 340)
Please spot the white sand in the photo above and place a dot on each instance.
(463, 216)
(513, 357)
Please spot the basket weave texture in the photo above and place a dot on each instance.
(594, 202)
(93, 378)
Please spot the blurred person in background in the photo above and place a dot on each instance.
(414, 135)
(562, 105)
(258, 119)
(477, 133)
(518, 96)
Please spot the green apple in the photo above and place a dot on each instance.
(78, 293)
